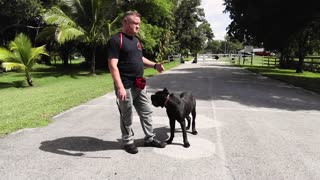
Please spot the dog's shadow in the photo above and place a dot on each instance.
(78, 145)
(163, 134)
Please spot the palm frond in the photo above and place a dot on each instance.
(36, 54)
(47, 33)
(113, 26)
(6, 55)
(68, 33)
(75, 6)
(21, 47)
(57, 17)
(8, 66)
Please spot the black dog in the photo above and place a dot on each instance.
(178, 106)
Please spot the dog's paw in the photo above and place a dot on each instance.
(194, 132)
(186, 145)
(188, 127)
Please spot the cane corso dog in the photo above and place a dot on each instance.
(179, 107)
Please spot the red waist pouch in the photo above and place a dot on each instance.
(141, 82)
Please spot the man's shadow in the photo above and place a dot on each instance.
(78, 145)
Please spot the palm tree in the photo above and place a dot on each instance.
(21, 55)
(87, 21)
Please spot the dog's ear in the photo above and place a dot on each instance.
(165, 90)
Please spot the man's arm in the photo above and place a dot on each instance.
(121, 91)
(157, 66)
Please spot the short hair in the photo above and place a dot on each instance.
(131, 13)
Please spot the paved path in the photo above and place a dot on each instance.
(250, 127)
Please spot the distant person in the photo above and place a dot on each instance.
(126, 64)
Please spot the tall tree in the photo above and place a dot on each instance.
(272, 23)
(157, 33)
(19, 16)
(187, 17)
(86, 21)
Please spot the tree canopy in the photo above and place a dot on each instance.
(189, 33)
(278, 25)
(66, 26)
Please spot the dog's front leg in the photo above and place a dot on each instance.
(172, 129)
(186, 143)
(194, 131)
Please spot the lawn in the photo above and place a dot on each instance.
(306, 80)
(55, 90)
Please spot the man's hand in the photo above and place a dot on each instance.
(159, 67)
(122, 94)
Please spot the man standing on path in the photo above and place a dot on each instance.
(126, 64)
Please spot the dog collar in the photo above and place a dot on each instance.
(165, 103)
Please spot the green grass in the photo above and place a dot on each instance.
(55, 90)
(306, 80)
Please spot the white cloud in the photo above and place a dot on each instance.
(214, 14)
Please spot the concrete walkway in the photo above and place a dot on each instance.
(250, 127)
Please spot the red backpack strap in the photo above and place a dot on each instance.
(120, 40)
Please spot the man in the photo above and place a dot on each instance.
(126, 64)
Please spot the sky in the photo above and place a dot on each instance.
(217, 19)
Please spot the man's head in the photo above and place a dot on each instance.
(131, 23)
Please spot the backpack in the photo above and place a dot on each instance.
(120, 40)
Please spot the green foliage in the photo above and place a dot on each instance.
(155, 12)
(21, 55)
(306, 80)
(214, 46)
(82, 20)
(66, 29)
(149, 36)
(157, 26)
(188, 33)
(275, 25)
(225, 46)
(19, 16)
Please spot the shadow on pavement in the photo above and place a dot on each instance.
(79, 144)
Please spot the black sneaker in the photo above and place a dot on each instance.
(155, 143)
(131, 148)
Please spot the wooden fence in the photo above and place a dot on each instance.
(311, 63)
(270, 61)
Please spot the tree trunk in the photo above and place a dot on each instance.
(300, 64)
(28, 78)
(301, 53)
(93, 61)
(284, 59)
(65, 57)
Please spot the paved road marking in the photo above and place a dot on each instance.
(199, 148)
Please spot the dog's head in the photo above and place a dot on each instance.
(159, 98)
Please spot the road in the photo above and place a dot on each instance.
(250, 127)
